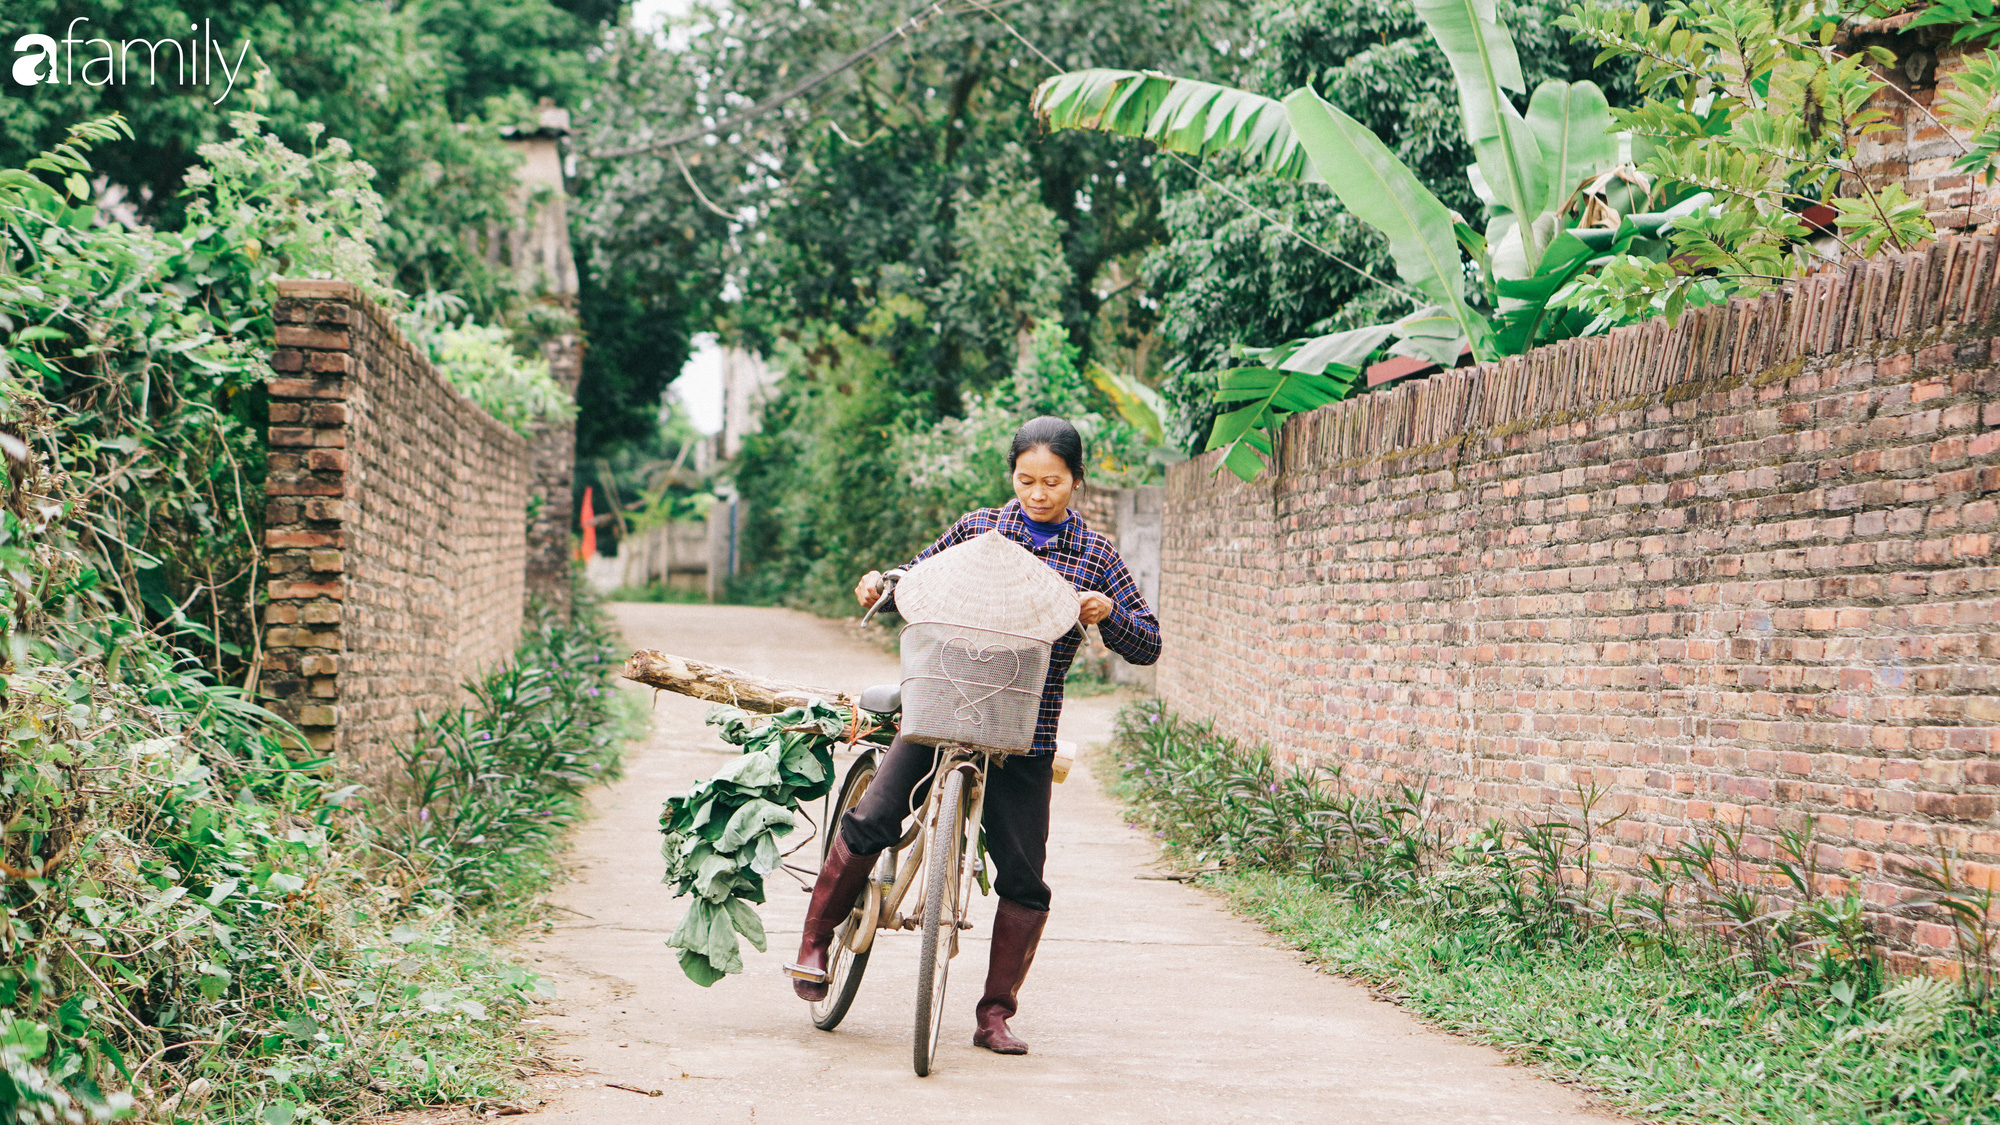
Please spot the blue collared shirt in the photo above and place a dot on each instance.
(1089, 562)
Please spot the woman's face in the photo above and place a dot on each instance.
(1043, 484)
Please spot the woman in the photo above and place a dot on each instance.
(1045, 466)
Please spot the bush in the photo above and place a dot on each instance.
(221, 932)
(480, 807)
(201, 923)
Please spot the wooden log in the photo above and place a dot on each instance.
(717, 684)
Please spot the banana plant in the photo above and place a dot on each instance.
(1531, 171)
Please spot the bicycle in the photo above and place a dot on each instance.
(939, 855)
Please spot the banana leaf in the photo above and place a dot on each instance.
(1294, 376)
(1572, 124)
(1140, 405)
(1179, 114)
(1525, 318)
(1381, 191)
(1483, 61)
(1429, 333)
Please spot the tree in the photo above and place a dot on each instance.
(894, 236)
(1761, 121)
(419, 89)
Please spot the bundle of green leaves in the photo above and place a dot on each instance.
(722, 837)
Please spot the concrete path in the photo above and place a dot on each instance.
(1149, 1001)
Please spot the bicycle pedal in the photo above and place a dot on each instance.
(965, 925)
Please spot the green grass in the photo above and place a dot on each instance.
(1695, 1018)
(1664, 1038)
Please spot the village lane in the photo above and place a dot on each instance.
(1149, 1002)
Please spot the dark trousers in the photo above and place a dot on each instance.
(1016, 818)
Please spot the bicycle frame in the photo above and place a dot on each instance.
(883, 911)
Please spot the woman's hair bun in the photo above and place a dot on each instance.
(1053, 434)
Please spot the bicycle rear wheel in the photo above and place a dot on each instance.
(844, 966)
(941, 878)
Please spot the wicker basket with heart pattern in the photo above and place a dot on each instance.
(982, 619)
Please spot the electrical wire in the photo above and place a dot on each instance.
(1260, 212)
(913, 22)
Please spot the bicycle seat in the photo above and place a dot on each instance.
(883, 699)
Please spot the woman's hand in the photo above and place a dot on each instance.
(869, 589)
(1093, 607)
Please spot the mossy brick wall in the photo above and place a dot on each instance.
(395, 528)
(1742, 568)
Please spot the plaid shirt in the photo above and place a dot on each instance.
(1089, 562)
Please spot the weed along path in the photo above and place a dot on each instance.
(1149, 1002)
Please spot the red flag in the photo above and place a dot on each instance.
(589, 549)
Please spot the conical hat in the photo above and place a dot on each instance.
(989, 582)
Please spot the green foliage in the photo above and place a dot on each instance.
(1531, 196)
(863, 479)
(154, 342)
(1180, 115)
(1748, 103)
(1972, 104)
(637, 341)
(201, 924)
(1289, 379)
(1229, 276)
(483, 798)
(1753, 103)
(1665, 1038)
(1704, 995)
(891, 243)
(419, 89)
(824, 481)
(483, 361)
(722, 837)
(1972, 20)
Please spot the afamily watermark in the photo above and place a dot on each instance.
(43, 58)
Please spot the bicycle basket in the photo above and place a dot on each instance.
(975, 687)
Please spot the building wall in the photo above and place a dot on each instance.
(536, 248)
(1133, 519)
(1742, 568)
(395, 529)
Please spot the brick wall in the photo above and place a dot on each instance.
(552, 457)
(395, 528)
(1917, 151)
(1741, 568)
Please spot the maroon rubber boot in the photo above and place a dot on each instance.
(1017, 930)
(841, 878)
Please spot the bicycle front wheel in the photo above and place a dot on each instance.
(941, 878)
(843, 965)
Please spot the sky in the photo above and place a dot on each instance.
(699, 387)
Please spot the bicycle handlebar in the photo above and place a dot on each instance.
(889, 581)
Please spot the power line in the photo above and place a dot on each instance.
(1211, 180)
(913, 22)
